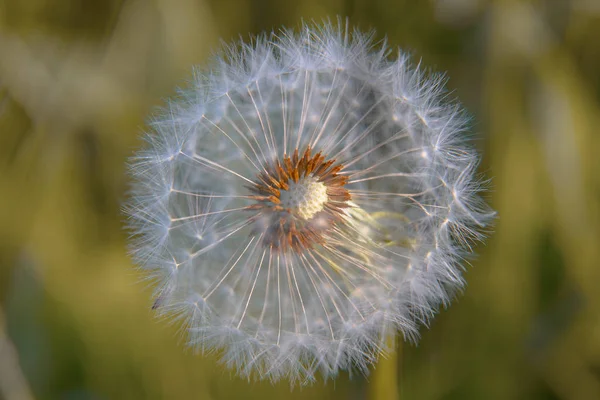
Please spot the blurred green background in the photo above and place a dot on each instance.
(77, 79)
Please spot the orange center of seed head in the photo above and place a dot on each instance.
(298, 200)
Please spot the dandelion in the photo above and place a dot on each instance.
(305, 198)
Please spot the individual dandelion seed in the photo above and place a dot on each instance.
(304, 198)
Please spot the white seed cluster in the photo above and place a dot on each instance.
(306, 198)
(285, 295)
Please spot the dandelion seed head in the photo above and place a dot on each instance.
(302, 199)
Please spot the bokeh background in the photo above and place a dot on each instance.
(79, 77)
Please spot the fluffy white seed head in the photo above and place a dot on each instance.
(304, 198)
